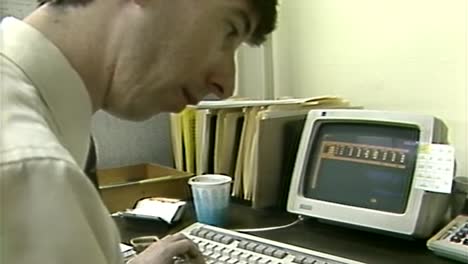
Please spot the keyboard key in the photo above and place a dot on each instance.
(244, 257)
(232, 261)
(279, 254)
(218, 237)
(218, 249)
(251, 246)
(209, 235)
(455, 239)
(227, 251)
(299, 259)
(253, 259)
(243, 244)
(264, 261)
(201, 233)
(465, 242)
(269, 251)
(194, 232)
(260, 248)
(308, 261)
(202, 245)
(227, 240)
(235, 254)
(210, 247)
(224, 258)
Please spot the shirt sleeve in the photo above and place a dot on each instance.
(51, 213)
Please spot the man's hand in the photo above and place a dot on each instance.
(164, 251)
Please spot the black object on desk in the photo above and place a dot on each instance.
(340, 241)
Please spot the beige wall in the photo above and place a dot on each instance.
(407, 55)
(254, 71)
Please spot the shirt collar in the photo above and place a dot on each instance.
(59, 85)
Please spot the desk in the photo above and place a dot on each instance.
(349, 243)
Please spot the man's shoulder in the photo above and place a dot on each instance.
(26, 133)
(52, 154)
(10, 71)
(27, 136)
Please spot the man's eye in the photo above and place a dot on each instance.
(232, 31)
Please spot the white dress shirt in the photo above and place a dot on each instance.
(49, 210)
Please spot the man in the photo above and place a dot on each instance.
(70, 58)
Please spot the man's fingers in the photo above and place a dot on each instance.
(164, 251)
(185, 247)
(175, 237)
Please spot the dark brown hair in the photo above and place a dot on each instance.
(267, 13)
(265, 9)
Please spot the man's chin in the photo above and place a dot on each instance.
(132, 115)
(175, 108)
(178, 110)
(141, 115)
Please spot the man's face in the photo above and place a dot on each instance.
(174, 52)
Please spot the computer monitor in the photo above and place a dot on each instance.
(356, 167)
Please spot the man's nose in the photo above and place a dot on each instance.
(221, 80)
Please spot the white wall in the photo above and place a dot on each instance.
(16, 8)
(407, 55)
(254, 71)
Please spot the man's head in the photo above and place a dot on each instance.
(264, 9)
(165, 54)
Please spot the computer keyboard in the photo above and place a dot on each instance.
(222, 246)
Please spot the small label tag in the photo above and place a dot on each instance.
(435, 168)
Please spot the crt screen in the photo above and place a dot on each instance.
(363, 165)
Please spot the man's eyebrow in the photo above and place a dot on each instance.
(245, 18)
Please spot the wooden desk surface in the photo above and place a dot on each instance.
(340, 241)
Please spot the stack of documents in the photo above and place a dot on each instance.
(253, 141)
(127, 252)
(156, 208)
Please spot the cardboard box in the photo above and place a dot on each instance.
(121, 188)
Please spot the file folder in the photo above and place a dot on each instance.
(278, 137)
(205, 127)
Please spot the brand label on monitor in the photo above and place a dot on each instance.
(305, 207)
(434, 168)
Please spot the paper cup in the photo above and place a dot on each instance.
(211, 195)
